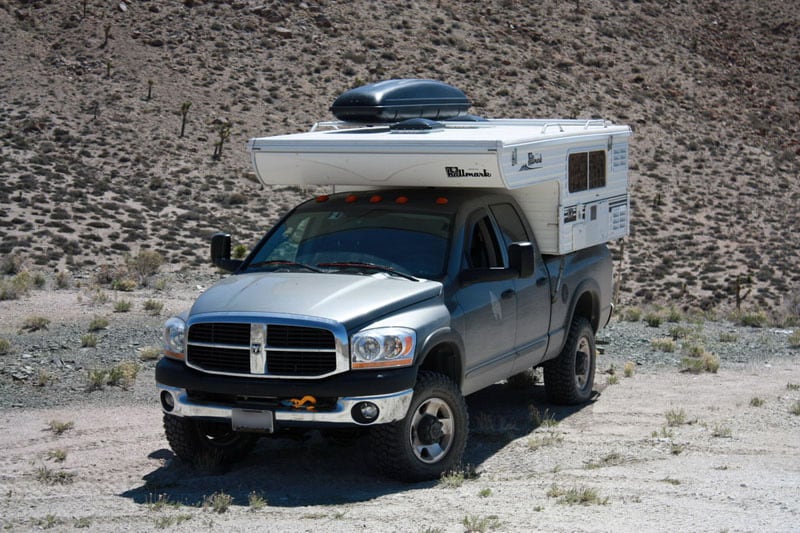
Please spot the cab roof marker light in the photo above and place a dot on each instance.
(351, 198)
(322, 198)
(402, 200)
(441, 200)
(375, 199)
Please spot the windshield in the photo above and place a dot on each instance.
(409, 242)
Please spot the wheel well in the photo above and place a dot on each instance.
(444, 359)
(587, 308)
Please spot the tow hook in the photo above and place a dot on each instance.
(307, 403)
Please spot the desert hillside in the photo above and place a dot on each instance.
(93, 166)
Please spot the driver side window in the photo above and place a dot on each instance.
(483, 250)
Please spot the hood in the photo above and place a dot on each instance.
(344, 298)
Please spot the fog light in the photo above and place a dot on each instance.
(365, 412)
(167, 401)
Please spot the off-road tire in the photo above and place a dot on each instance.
(430, 440)
(206, 443)
(569, 378)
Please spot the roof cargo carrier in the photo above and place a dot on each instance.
(569, 176)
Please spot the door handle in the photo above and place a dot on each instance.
(508, 294)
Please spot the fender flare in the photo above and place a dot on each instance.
(442, 336)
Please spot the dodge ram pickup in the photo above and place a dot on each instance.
(379, 311)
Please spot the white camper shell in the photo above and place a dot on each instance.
(569, 176)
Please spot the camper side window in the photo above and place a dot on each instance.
(587, 170)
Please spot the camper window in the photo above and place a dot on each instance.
(587, 170)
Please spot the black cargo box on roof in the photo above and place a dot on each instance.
(396, 100)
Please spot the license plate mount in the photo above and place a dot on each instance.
(257, 420)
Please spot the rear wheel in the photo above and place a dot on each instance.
(430, 440)
(207, 443)
(569, 378)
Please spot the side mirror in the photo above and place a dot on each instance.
(520, 258)
(221, 252)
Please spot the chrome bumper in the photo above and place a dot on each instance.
(391, 407)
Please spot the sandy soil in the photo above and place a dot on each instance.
(730, 466)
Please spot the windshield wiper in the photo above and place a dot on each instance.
(278, 263)
(368, 266)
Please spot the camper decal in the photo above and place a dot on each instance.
(534, 162)
(456, 172)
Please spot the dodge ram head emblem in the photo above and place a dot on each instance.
(258, 352)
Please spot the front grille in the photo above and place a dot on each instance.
(293, 351)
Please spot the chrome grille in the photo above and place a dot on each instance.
(291, 351)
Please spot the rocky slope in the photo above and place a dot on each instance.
(93, 166)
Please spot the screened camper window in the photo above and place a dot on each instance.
(587, 170)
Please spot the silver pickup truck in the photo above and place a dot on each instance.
(379, 311)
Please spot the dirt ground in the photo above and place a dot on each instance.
(731, 464)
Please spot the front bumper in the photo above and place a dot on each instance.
(391, 407)
(201, 395)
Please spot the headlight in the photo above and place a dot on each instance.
(174, 338)
(381, 347)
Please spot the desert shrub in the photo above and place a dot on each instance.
(219, 502)
(708, 362)
(629, 368)
(123, 284)
(63, 279)
(35, 323)
(98, 323)
(755, 319)
(89, 340)
(122, 306)
(16, 287)
(653, 320)
(664, 344)
(11, 264)
(154, 307)
(632, 314)
(149, 353)
(5, 346)
(794, 339)
(144, 264)
(239, 251)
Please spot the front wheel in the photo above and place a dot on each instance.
(207, 443)
(430, 440)
(569, 378)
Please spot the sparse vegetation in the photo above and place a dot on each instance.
(576, 496)
(149, 353)
(219, 502)
(792, 386)
(49, 476)
(721, 431)
(629, 369)
(154, 307)
(144, 265)
(256, 501)
(794, 339)
(613, 379)
(58, 427)
(675, 417)
(35, 323)
(480, 524)
(5, 346)
(98, 323)
(122, 375)
(755, 319)
(546, 439)
(58, 455)
(755, 401)
(456, 478)
(632, 314)
(122, 306)
(88, 340)
(795, 408)
(663, 344)
(653, 320)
